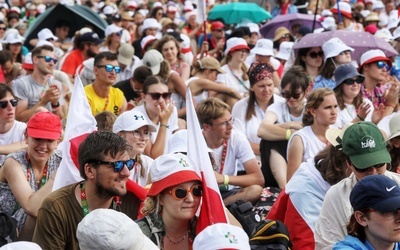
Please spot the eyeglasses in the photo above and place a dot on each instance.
(228, 122)
(138, 134)
(345, 52)
(351, 81)
(109, 68)
(156, 96)
(288, 95)
(180, 193)
(4, 104)
(388, 215)
(316, 54)
(118, 165)
(363, 170)
(48, 59)
(382, 64)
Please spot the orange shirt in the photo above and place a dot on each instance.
(72, 61)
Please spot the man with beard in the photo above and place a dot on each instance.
(104, 165)
(88, 46)
(102, 96)
(231, 150)
(38, 91)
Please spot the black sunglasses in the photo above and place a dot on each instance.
(156, 96)
(316, 54)
(109, 68)
(363, 170)
(3, 28)
(48, 59)
(4, 104)
(118, 165)
(288, 95)
(180, 193)
(350, 81)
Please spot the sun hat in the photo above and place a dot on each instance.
(334, 47)
(13, 37)
(170, 170)
(28, 64)
(328, 23)
(211, 63)
(108, 10)
(132, 4)
(385, 34)
(167, 21)
(44, 125)
(369, 1)
(146, 41)
(125, 53)
(373, 56)
(345, 9)
(377, 4)
(279, 32)
(188, 6)
(41, 43)
(30, 6)
(326, 13)
(112, 29)
(21, 245)
(45, 34)
(394, 126)
(343, 72)
(378, 192)
(126, 16)
(372, 17)
(216, 25)
(371, 28)
(171, 9)
(363, 142)
(235, 43)
(254, 28)
(263, 47)
(157, 4)
(130, 121)
(335, 135)
(108, 229)
(152, 59)
(91, 37)
(222, 236)
(285, 48)
(150, 23)
(15, 9)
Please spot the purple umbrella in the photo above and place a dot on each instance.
(288, 20)
(359, 41)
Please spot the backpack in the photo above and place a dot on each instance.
(245, 214)
(270, 235)
(8, 229)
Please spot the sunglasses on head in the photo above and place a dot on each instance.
(382, 64)
(316, 54)
(4, 104)
(118, 165)
(351, 81)
(180, 193)
(288, 95)
(109, 68)
(156, 96)
(48, 59)
(363, 170)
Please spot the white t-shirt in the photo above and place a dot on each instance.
(172, 123)
(230, 80)
(282, 111)
(200, 97)
(135, 172)
(15, 134)
(349, 113)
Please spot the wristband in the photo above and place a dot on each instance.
(226, 179)
(55, 109)
(164, 125)
(359, 117)
(55, 105)
(288, 134)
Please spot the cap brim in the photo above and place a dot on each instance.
(239, 47)
(332, 134)
(262, 52)
(220, 70)
(125, 61)
(376, 59)
(393, 136)
(172, 180)
(41, 134)
(388, 205)
(155, 69)
(370, 159)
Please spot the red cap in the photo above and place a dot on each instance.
(217, 25)
(44, 125)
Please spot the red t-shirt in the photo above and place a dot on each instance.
(72, 61)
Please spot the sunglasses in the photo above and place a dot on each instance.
(180, 193)
(48, 59)
(3, 28)
(363, 170)
(119, 33)
(118, 165)
(288, 95)
(316, 54)
(156, 96)
(109, 68)
(351, 81)
(4, 104)
(382, 64)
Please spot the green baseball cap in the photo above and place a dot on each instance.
(364, 144)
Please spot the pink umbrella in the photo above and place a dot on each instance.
(359, 41)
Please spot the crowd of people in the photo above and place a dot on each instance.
(321, 124)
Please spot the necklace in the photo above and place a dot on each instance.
(178, 241)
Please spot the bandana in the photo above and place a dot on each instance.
(259, 72)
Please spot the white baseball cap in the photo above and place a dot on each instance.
(263, 47)
(152, 59)
(285, 48)
(334, 47)
(130, 121)
(146, 40)
(112, 29)
(235, 43)
(385, 34)
(373, 56)
(13, 37)
(45, 34)
(150, 23)
(394, 126)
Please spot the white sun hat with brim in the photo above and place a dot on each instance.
(394, 126)
(263, 47)
(333, 47)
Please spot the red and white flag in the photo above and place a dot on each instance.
(212, 208)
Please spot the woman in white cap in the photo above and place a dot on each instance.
(335, 53)
(205, 73)
(13, 41)
(27, 176)
(113, 39)
(172, 202)
(137, 130)
(394, 142)
(311, 59)
(234, 65)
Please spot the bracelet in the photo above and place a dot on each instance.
(55, 109)
(55, 105)
(359, 117)
(288, 134)
(390, 105)
(164, 125)
(226, 179)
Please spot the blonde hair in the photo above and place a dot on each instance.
(315, 99)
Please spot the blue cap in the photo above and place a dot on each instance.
(378, 192)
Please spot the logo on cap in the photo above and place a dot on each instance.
(95, 36)
(137, 117)
(231, 238)
(368, 142)
(259, 44)
(390, 189)
(183, 163)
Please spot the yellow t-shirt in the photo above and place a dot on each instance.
(112, 103)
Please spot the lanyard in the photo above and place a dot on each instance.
(116, 202)
(29, 172)
(237, 78)
(224, 149)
